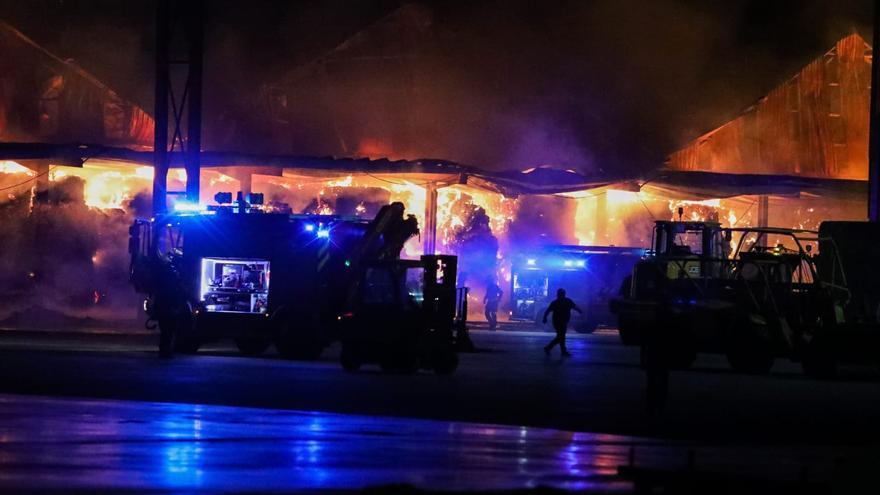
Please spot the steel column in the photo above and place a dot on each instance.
(179, 31)
(160, 109)
(763, 217)
(195, 37)
(430, 243)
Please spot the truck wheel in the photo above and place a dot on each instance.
(252, 346)
(350, 359)
(445, 363)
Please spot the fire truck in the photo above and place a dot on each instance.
(591, 276)
(728, 290)
(298, 281)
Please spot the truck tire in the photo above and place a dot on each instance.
(252, 346)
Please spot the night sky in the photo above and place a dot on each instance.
(603, 87)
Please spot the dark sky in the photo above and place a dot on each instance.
(609, 86)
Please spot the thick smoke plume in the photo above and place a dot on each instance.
(64, 258)
(596, 86)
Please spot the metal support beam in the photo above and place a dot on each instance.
(430, 242)
(874, 133)
(160, 109)
(244, 176)
(179, 40)
(763, 217)
(195, 35)
(601, 228)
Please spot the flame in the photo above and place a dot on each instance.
(603, 217)
(345, 182)
(615, 218)
(452, 203)
(10, 167)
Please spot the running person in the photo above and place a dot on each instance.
(561, 308)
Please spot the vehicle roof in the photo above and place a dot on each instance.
(573, 249)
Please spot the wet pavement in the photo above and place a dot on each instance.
(504, 420)
(87, 445)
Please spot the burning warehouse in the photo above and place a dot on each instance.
(247, 245)
(795, 158)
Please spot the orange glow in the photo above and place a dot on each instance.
(601, 217)
(9, 167)
(374, 148)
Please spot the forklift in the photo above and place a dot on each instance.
(402, 317)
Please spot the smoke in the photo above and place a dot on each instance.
(543, 220)
(62, 257)
(476, 246)
(601, 86)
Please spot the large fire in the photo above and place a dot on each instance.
(484, 228)
(602, 217)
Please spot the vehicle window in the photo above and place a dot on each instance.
(687, 243)
(170, 240)
(378, 286)
(415, 285)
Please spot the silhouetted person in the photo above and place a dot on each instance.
(493, 297)
(561, 308)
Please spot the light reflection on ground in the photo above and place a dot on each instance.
(48, 443)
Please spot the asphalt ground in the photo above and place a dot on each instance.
(781, 424)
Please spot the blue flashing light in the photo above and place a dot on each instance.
(323, 233)
(310, 227)
(187, 206)
(581, 263)
(568, 263)
(531, 262)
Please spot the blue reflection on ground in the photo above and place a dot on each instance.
(48, 443)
